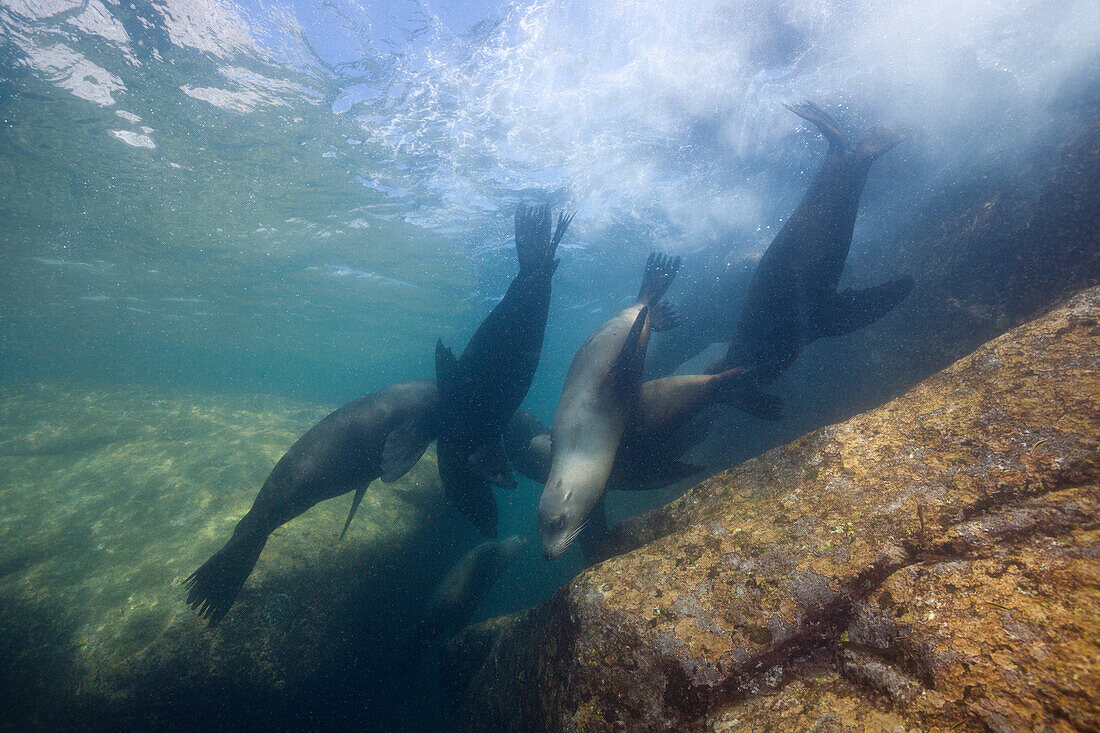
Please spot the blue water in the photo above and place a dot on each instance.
(297, 199)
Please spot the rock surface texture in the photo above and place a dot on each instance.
(933, 564)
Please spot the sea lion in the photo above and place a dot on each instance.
(653, 441)
(381, 435)
(480, 390)
(528, 446)
(598, 399)
(792, 297)
(465, 586)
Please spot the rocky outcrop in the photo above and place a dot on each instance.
(111, 496)
(928, 565)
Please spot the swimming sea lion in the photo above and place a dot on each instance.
(465, 586)
(653, 441)
(381, 435)
(528, 447)
(480, 390)
(598, 399)
(792, 297)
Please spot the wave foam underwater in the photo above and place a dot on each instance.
(668, 119)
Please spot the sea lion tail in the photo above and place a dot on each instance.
(213, 588)
(535, 246)
(660, 271)
(822, 120)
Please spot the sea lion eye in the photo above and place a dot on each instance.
(559, 524)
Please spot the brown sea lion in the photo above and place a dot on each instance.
(598, 399)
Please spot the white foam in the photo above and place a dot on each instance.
(134, 139)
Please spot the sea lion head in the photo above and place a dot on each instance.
(563, 513)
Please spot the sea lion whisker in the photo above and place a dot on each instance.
(573, 535)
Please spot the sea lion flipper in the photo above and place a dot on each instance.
(354, 506)
(446, 367)
(405, 444)
(660, 271)
(877, 140)
(535, 246)
(822, 120)
(625, 363)
(212, 589)
(479, 506)
(851, 310)
(663, 316)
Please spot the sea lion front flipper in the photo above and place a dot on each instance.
(405, 443)
(354, 506)
(489, 462)
(625, 363)
(851, 310)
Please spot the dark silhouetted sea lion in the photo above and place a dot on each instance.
(480, 390)
(597, 401)
(465, 586)
(792, 298)
(381, 435)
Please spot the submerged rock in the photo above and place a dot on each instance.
(111, 496)
(928, 565)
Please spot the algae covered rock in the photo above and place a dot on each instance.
(109, 497)
(928, 565)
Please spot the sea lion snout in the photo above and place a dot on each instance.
(552, 527)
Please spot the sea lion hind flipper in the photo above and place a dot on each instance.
(663, 316)
(405, 443)
(660, 271)
(214, 587)
(625, 363)
(354, 506)
(877, 139)
(490, 462)
(563, 223)
(822, 120)
(535, 246)
(851, 310)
